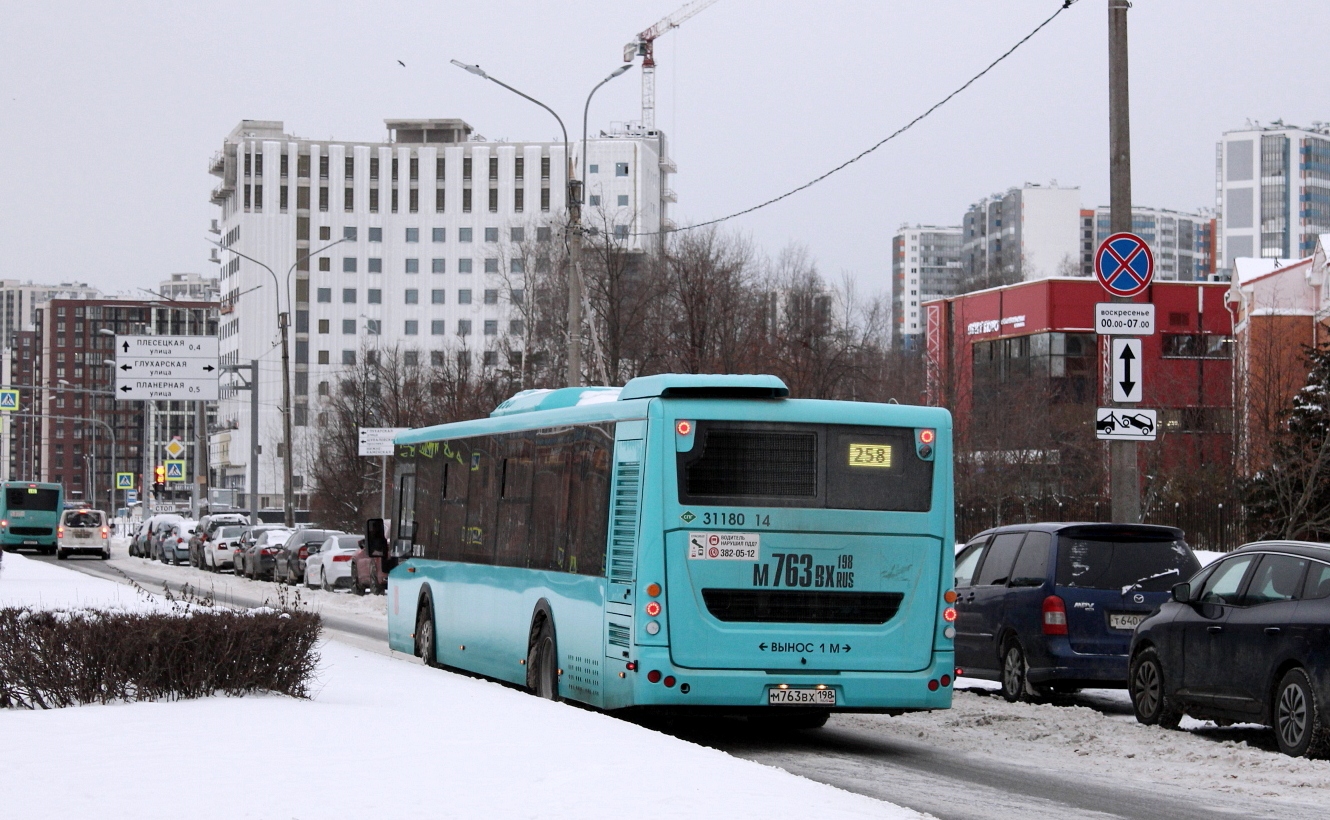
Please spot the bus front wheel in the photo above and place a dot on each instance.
(542, 664)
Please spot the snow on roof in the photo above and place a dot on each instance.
(1249, 269)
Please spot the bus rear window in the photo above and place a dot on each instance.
(32, 498)
(1145, 565)
(752, 464)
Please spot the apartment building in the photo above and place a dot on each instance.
(189, 287)
(1183, 244)
(1031, 232)
(1272, 185)
(64, 368)
(19, 302)
(419, 243)
(925, 265)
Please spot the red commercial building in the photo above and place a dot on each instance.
(1022, 370)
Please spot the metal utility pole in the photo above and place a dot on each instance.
(1124, 475)
(288, 496)
(253, 387)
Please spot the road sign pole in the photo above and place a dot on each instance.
(1124, 473)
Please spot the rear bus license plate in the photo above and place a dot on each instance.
(801, 697)
(1125, 620)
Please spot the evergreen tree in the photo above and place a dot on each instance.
(1291, 499)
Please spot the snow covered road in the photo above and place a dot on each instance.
(1082, 757)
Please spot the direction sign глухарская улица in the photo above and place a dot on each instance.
(166, 368)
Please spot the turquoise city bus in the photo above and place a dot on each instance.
(30, 514)
(682, 542)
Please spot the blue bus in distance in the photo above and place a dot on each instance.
(29, 515)
(686, 542)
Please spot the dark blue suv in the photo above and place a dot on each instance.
(1052, 607)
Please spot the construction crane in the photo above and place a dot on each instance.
(644, 47)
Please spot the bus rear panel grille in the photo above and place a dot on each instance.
(799, 607)
(756, 463)
(30, 530)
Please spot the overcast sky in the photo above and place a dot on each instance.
(111, 110)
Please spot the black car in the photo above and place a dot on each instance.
(1247, 639)
(290, 558)
(1051, 606)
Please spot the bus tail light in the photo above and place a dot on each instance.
(4, 522)
(669, 681)
(945, 680)
(653, 608)
(683, 428)
(653, 590)
(924, 442)
(949, 596)
(949, 614)
(654, 676)
(1055, 616)
(932, 685)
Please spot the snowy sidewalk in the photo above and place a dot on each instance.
(379, 738)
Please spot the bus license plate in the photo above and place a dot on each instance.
(801, 697)
(29, 543)
(1125, 620)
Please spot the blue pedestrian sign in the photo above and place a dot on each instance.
(8, 401)
(1124, 265)
(175, 470)
(124, 481)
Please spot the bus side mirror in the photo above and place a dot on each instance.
(376, 543)
(1182, 593)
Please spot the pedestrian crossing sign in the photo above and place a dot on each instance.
(175, 470)
(8, 401)
(124, 481)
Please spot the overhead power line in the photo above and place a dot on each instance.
(1066, 4)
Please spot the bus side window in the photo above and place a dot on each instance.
(514, 503)
(452, 504)
(482, 495)
(589, 501)
(968, 560)
(404, 530)
(549, 501)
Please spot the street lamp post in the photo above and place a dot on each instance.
(283, 326)
(573, 236)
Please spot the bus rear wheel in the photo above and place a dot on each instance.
(425, 643)
(542, 665)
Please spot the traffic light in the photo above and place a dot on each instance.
(159, 478)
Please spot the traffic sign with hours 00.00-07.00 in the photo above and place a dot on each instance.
(166, 368)
(1124, 318)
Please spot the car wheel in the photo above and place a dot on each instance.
(374, 585)
(106, 555)
(1014, 685)
(425, 643)
(542, 670)
(61, 555)
(323, 581)
(355, 582)
(1300, 727)
(1149, 696)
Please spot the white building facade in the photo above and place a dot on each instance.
(925, 265)
(1272, 186)
(412, 244)
(1032, 232)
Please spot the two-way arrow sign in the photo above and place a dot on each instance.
(1126, 370)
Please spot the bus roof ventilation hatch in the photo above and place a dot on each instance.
(705, 386)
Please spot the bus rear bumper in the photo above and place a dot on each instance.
(747, 689)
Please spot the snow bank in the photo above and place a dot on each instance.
(25, 582)
(380, 738)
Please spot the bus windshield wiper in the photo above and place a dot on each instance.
(1137, 584)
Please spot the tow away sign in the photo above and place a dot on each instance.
(1125, 424)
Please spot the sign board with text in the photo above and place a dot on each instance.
(378, 441)
(166, 368)
(1124, 319)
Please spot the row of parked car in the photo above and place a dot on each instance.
(318, 558)
(1048, 608)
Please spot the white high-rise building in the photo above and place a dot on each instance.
(1032, 232)
(417, 243)
(189, 287)
(1273, 190)
(925, 265)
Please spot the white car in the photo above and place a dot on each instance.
(82, 531)
(174, 548)
(219, 550)
(330, 567)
